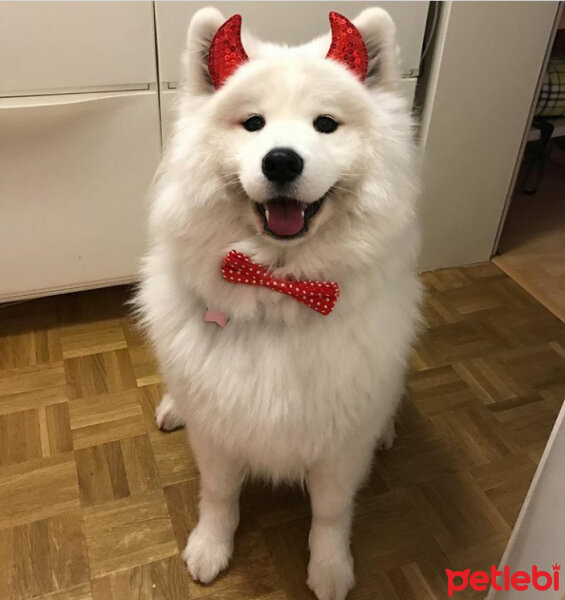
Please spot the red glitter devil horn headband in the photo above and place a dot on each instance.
(347, 45)
(226, 51)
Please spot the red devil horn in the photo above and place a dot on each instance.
(226, 51)
(347, 45)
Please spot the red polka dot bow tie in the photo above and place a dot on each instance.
(320, 296)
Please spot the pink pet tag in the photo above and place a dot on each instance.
(215, 316)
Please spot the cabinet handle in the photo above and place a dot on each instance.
(23, 102)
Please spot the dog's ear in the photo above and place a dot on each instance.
(201, 31)
(379, 34)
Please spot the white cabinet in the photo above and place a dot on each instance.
(74, 171)
(48, 47)
(482, 84)
(79, 143)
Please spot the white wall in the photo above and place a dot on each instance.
(481, 86)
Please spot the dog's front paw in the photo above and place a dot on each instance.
(331, 580)
(166, 416)
(206, 557)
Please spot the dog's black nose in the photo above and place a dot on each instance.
(282, 165)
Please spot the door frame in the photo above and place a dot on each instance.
(520, 157)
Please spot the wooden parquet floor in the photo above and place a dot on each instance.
(95, 503)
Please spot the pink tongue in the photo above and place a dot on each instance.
(285, 217)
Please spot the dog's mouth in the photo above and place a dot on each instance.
(286, 218)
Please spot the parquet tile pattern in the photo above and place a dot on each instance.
(96, 504)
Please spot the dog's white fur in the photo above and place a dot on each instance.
(282, 391)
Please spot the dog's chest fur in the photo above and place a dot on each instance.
(282, 394)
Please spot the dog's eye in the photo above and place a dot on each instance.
(325, 124)
(254, 123)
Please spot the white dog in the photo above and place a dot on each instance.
(303, 162)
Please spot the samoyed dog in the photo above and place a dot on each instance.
(279, 290)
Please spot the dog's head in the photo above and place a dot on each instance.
(288, 146)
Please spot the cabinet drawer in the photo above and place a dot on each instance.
(68, 46)
(74, 171)
(168, 104)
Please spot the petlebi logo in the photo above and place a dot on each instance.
(535, 579)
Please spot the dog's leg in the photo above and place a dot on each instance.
(166, 416)
(332, 487)
(210, 544)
